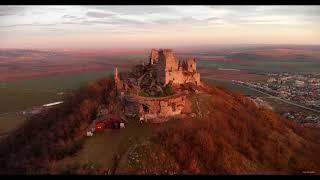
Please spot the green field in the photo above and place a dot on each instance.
(266, 66)
(234, 87)
(19, 95)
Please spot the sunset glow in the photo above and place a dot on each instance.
(145, 26)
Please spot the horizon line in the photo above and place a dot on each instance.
(170, 46)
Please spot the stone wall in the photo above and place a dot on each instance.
(181, 77)
(192, 65)
(169, 68)
(156, 109)
(169, 59)
(154, 56)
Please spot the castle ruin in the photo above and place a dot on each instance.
(170, 69)
(144, 90)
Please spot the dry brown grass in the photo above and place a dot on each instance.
(229, 135)
(238, 138)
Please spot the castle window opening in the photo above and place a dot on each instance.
(173, 107)
(145, 108)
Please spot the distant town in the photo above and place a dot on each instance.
(300, 90)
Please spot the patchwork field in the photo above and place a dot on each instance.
(30, 78)
(28, 64)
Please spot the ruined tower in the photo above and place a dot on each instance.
(117, 81)
(171, 69)
(171, 62)
(191, 65)
(166, 66)
(120, 84)
(116, 76)
(154, 56)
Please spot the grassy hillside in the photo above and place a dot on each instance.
(224, 134)
(227, 135)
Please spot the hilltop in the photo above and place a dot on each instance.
(227, 134)
(200, 128)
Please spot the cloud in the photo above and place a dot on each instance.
(10, 10)
(268, 15)
(213, 18)
(133, 10)
(292, 10)
(72, 18)
(123, 21)
(93, 22)
(106, 22)
(150, 21)
(188, 20)
(30, 24)
(96, 14)
(69, 16)
(182, 20)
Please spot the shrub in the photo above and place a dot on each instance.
(144, 94)
(167, 91)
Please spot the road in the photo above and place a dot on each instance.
(280, 99)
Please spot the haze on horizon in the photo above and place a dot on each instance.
(156, 26)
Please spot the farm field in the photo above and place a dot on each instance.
(234, 87)
(19, 95)
(9, 122)
(229, 75)
(265, 66)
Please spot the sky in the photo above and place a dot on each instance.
(165, 26)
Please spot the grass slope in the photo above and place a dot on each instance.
(228, 135)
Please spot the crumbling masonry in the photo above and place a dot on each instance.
(168, 70)
(171, 69)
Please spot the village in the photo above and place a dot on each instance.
(301, 90)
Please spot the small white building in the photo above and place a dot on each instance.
(299, 83)
(89, 134)
(272, 79)
(122, 125)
